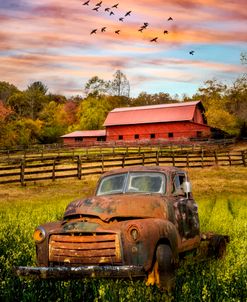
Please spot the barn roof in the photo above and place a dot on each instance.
(86, 133)
(152, 114)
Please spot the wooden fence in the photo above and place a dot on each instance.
(30, 169)
(35, 151)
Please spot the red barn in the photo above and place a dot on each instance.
(87, 137)
(167, 121)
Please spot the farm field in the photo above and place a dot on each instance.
(221, 193)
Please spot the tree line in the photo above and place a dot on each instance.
(36, 116)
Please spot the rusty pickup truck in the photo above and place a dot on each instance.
(139, 222)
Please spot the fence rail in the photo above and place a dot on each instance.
(51, 168)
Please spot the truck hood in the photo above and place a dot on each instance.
(124, 205)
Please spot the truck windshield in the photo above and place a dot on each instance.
(133, 182)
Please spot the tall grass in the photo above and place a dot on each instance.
(221, 195)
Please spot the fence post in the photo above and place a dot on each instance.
(216, 157)
(22, 174)
(157, 158)
(243, 158)
(187, 160)
(54, 170)
(143, 158)
(102, 163)
(202, 157)
(79, 167)
(123, 161)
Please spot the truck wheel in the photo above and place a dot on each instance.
(165, 267)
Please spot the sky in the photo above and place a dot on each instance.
(52, 41)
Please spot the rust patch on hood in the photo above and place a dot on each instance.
(113, 206)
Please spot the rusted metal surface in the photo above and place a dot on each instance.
(117, 232)
(87, 249)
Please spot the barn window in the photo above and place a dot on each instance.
(170, 134)
(136, 136)
(199, 133)
(78, 139)
(100, 138)
(152, 135)
(120, 137)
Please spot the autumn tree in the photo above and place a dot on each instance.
(23, 131)
(19, 104)
(92, 113)
(214, 98)
(54, 122)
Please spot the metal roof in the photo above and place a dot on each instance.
(152, 114)
(86, 133)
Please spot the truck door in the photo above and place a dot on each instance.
(186, 210)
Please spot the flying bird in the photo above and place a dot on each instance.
(141, 29)
(103, 29)
(192, 52)
(121, 19)
(96, 8)
(154, 39)
(115, 5)
(165, 32)
(117, 31)
(93, 31)
(169, 19)
(112, 13)
(98, 4)
(107, 9)
(145, 24)
(86, 3)
(128, 13)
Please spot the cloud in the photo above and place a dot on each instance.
(51, 39)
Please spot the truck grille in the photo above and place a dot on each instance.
(85, 249)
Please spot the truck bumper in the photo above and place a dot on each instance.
(64, 272)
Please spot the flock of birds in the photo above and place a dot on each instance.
(111, 11)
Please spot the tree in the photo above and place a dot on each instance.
(22, 132)
(19, 104)
(36, 98)
(4, 112)
(6, 91)
(96, 87)
(120, 85)
(38, 87)
(54, 123)
(221, 103)
(92, 113)
(144, 99)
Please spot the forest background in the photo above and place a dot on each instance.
(36, 116)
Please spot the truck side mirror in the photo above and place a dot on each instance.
(186, 185)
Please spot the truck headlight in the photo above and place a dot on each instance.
(134, 233)
(39, 235)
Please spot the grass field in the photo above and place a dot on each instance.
(222, 197)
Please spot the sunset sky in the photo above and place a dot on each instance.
(50, 41)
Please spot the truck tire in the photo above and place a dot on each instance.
(166, 269)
